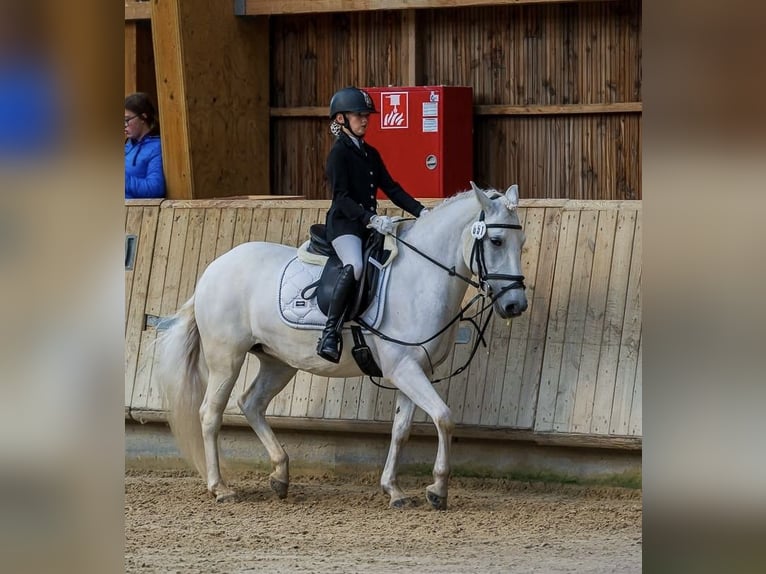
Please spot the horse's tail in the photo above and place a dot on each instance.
(182, 378)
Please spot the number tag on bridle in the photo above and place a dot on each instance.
(478, 229)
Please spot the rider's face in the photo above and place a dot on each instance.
(357, 123)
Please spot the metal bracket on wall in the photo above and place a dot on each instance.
(159, 323)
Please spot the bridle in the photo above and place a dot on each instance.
(479, 234)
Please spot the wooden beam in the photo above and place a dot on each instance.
(568, 109)
(274, 7)
(629, 443)
(300, 112)
(138, 10)
(171, 99)
(494, 110)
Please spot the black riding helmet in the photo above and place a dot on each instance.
(351, 99)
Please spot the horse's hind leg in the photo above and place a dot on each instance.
(223, 368)
(400, 433)
(272, 377)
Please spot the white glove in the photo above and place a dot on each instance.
(423, 211)
(382, 224)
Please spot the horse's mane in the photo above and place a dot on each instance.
(492, 194)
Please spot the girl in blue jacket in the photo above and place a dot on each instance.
(144, 177)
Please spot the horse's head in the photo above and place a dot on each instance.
(493, 249)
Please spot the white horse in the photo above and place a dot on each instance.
(234, 312)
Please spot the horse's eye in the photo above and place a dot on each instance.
(496, 241)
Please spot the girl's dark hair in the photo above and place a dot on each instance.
(141, 105)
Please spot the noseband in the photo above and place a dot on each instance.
(479, 234)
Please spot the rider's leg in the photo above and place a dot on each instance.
(349, 250)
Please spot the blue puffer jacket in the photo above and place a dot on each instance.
(144, 177)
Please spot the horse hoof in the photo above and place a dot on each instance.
(225, 495)
(279, 487)
(437, 502)
(406, 502)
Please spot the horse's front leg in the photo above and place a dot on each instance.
(408, 376)
(400, 433)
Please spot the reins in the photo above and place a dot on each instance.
(478, 232)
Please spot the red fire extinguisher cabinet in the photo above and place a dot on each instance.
(425, 136)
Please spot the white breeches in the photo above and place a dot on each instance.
(349, 250)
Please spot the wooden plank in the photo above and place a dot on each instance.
(193, 247)
(566, 109)
(491, 110)
(275, 224)
(131, 57)
(242, 226)
(334, 401)
(585, 393)
(135, 313)
(576, 316)
(137, 11)
(323, 205)
(368, 398)
(636, 404)
(628, 361)
(175, 262)
(539, 300)
(317, 396)
(142, 390)
(274, 7)
(613, 322)
(159, 262)
(225, 231)
(300, 399)
(629, 443)
(209, 240)
(556, 324)
(352, 389)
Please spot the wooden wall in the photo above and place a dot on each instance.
(557, 89)
(571, 365)
(243, 99)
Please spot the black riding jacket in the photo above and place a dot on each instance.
(354, 175)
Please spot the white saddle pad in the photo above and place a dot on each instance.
(302, 313)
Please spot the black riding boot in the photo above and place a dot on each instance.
(327, 347)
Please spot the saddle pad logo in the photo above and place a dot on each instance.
(394, 110)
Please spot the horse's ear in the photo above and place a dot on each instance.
(512, 195)
(484, 201)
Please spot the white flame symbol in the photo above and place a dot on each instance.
(393, 118)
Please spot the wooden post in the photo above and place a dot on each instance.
(213, 98)
(131, 49)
